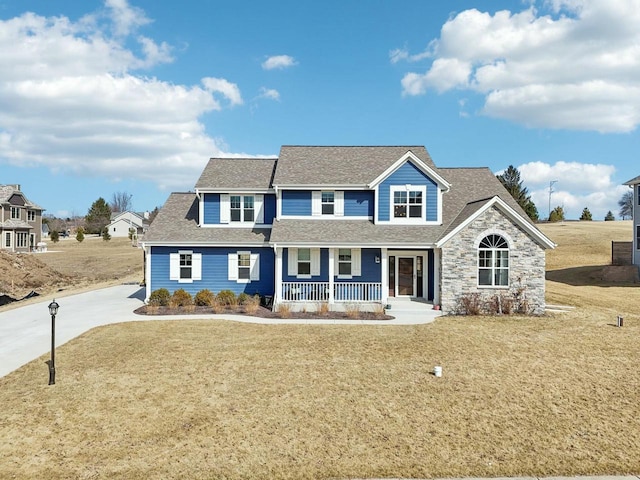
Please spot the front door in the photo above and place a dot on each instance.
(406, 277)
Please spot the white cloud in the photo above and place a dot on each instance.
(577, 67)
(269, 93)
(279, 62)
(576, 186)
(227, 89)
(71, 102)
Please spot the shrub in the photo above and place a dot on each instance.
(352, 311)
(152, 309)
(181, 298)
(323, 307)
(204, 298)
(160, 297)
(106, 236)
(252, 304)
(226, 298)
(470, 304)
(217, 306)
(284, 310)
(80, 235)
(502, 304)
(242, 298)
(379, 309)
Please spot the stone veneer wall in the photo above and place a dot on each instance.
(459, 265)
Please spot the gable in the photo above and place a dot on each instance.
(17, 200)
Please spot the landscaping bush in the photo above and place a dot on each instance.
(242, 298)
(352, 311)
(470, 304)
(226, 298)
(251, 304)
(181, 298)
(160, 297)
(284, 310)
(204, 298)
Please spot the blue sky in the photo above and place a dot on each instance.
(135, 96)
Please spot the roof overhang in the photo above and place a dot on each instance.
(426, 169)
(514, 216)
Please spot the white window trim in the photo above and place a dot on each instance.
(356, 263)
(408, 188)
(258, 209)
(19, 212)
(338, 203)
(493, 259)
(9, 236)
(174, 266)
(292, 267)
(31, 213)
(233, 267)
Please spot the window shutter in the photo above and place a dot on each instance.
(174, 266)
(315, 261)
(233, 266)
(254, 265)
(356, 262)
(196, 266)
(338, 198)
(316, 203)
(292, 267)
(225, 208)
(258, 205)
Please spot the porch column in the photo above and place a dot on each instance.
(147, 272)
(437, 257)
(331, 276)
(384, 276)
(278, 286)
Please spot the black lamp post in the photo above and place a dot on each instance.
(53, 310)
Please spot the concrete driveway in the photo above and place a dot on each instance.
(25, 332)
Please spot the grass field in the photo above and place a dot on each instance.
(556, 395)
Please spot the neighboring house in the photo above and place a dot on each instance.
(347, 225)
(121, 222)
(635, 184)
(20, 220)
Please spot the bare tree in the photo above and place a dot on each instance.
(121, 202)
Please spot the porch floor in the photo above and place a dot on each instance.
(412, 309)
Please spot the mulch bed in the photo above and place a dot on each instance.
(262, 312)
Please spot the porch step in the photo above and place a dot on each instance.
(408, 305)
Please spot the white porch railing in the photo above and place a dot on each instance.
(342, 292)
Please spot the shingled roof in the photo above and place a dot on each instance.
(633, 181)
(7, 191)
(177, 222)
(233, 173)
(357, 166)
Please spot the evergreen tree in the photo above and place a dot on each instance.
(557, 215)
(609, 217)
(626, 205)
(106, 236)
(54, 236)
(510, 179)
(80, 235)
(586, 214)
(98, 217)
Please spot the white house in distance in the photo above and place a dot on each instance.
(635, 184)
(121, 222)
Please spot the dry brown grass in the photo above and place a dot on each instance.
(210, 399)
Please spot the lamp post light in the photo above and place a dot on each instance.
(53, 310)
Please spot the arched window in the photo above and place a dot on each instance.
(493, 262)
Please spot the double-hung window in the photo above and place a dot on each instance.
(31, 215)
(15, 213)
(21, 239)
(493, 262)
(344, 262)
(304, 261)
(328, 203)
(244, 267)
(185, 266)
(7, 239)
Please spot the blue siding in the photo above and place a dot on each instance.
(358, 203)
(324, 268)
(214, 271)
(407, 174)
(211, 208)
(296, 202)
(269, 208)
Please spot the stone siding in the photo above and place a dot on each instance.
(460, 264)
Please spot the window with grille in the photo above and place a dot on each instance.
(493, 261)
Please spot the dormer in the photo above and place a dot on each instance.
(409, 192)
(236, 193)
